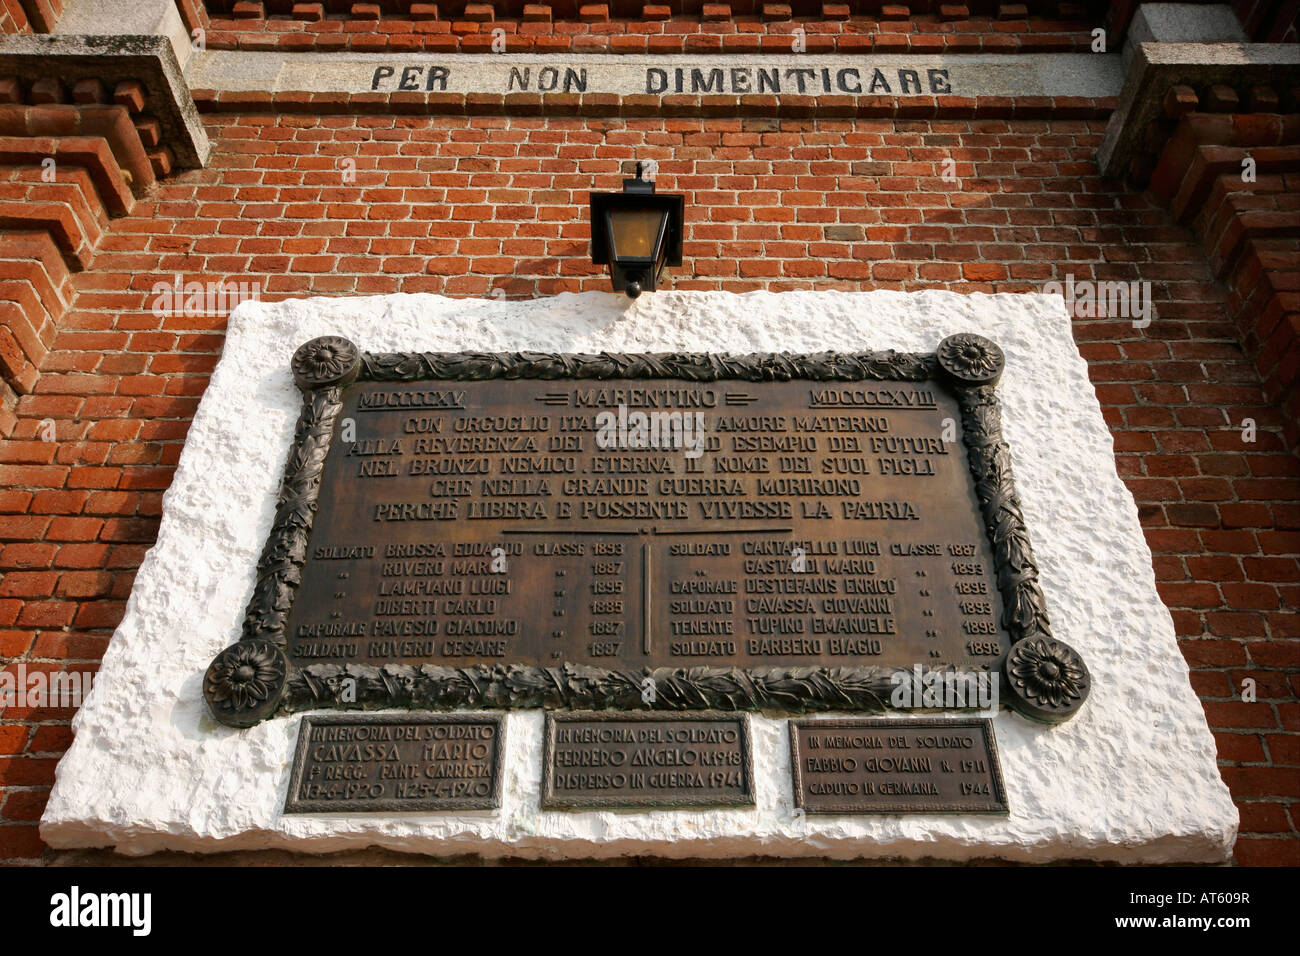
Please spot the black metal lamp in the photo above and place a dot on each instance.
(637, 233)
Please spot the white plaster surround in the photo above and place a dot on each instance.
(1132, 778)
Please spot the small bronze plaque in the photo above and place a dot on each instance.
(384, 763)
(896, 766)
(603, 761)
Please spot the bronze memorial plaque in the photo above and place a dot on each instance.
(606, 761)
(381, 763)
(883, 765)
(488, 522)
(484, 523)
(674, 532)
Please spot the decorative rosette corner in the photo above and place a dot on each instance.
(325, 361)
(244, 683)
(970, 360)
(1046, 679)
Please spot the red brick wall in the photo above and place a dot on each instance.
(64, 171)
(1248, 223)
(29, 16)
(465, 205)
(13, 19)
(663, 28)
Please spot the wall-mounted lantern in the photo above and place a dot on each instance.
(637, 233)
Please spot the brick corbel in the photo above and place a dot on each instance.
(146, 62)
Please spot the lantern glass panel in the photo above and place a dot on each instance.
(634, 232)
